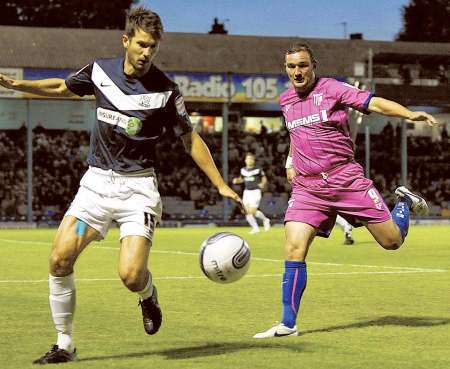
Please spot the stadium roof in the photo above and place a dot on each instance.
(66, 48)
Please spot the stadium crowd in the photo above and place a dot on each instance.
(59, 161)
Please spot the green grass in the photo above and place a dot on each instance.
(364, 307)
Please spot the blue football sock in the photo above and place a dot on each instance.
(293, 285)
(400, 215)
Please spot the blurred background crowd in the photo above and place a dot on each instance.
(59, 161)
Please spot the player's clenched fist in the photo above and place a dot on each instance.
(6, 81)
(290, 174)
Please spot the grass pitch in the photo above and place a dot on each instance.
(364, 307)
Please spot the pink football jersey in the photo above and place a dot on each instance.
(318, 124)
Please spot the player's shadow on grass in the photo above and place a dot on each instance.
(219, 348)
(208, 349)
(292, 344)
(404, 321)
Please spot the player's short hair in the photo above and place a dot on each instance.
(297, 47)
(144, 19)
(250, 154)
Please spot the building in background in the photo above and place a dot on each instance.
(225, 78)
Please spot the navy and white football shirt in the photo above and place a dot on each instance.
(252, 177)
(153, 99)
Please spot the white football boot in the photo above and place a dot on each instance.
(419, 205)
(254, 231)
(266, 224)
(279, 330)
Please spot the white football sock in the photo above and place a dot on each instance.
(252, 221)
(65, 342)
(260, 215)
(345, 226)
(62, 305)
(148, 290)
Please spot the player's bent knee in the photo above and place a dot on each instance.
(390, 246)
(295, 251)
(251, 211)
(386, 234)
(391, 243)
(60, 265)
(133, 279)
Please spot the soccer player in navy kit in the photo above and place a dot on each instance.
(136, 105)
(254, 180)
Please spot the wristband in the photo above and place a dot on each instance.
(288, 164)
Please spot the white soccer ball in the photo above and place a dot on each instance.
(224, 257)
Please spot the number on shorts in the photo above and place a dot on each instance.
(149, 221)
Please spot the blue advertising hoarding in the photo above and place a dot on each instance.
(205, 87)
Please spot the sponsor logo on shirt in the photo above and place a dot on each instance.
(112, 117)
(308, 120)
(317, 98)
(150, 100)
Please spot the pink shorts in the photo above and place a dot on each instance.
(345, 191)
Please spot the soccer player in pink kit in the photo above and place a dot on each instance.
(326, 180)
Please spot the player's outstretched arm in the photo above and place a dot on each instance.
(197, 148)
(53, 87)
(393, 109)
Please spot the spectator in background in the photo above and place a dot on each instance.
(21, 208)
(405, 74)
(388, 132)
(444, 133)
(8, 206)
(442, 75)
(197, 195)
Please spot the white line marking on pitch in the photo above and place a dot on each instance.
(413, 269)
(190, 277)
(280, 261)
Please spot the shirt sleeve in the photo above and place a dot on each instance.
(352, 96)
(179, 121)
(80, 83)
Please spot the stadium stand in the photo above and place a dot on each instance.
(59, 162)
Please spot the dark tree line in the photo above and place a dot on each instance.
(426, 21)
(423, 20)
(65, 13)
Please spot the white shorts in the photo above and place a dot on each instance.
(133, 201)
(251, 198)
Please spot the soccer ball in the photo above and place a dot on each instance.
(224, 257)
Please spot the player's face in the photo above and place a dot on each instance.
(250, 161)
(300, 70)
(140, 51)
